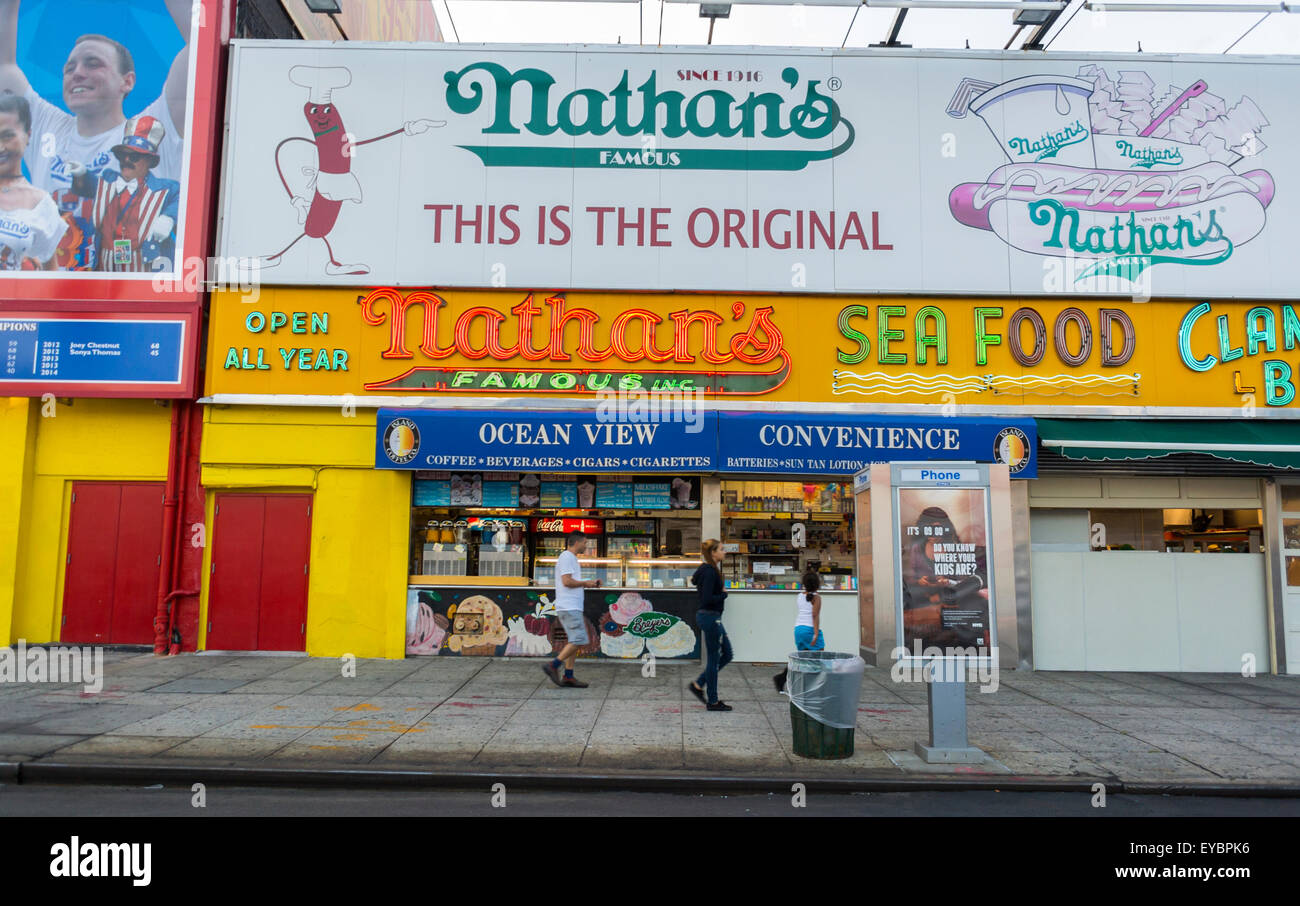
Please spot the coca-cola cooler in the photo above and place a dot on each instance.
(548, 542)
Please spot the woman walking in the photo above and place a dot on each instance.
(717, 647)
(807, 622)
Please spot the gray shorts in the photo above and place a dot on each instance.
(575, 627)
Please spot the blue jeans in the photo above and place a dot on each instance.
(717, 648)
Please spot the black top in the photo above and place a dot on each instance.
(708, 582)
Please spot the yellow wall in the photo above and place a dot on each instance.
(44, 447)
(16, 441)
(356, 597)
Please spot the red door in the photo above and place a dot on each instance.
(257, 597)
(110, 587)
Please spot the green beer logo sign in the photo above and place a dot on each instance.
(626, 112)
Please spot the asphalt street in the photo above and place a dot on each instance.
(159, 801)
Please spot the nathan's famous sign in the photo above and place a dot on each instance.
(622, 111)
(424, 346)
(787, 171)
(637, 349)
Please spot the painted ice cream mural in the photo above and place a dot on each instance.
(520, 622)
(425, 630)
(1116, 171)
(632, 624)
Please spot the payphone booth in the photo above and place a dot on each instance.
(937, 588)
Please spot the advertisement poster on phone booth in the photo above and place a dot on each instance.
(945, 573)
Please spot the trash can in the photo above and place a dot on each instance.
(823, 687)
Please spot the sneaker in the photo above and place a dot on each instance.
(719, 705)
(697, 692)
(554, 673)
(575, 683)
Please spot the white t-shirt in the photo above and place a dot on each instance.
(803, 616)
(93, 151)
(30, 233)
(567, 598)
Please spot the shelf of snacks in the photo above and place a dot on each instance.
(785, 498)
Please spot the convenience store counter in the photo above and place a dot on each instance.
(761, 622)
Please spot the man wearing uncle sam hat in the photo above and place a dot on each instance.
(133, 212)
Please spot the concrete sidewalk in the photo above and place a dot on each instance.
(481, 715)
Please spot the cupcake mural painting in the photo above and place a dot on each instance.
(1121, 173)
(529, 635)
(477, 627)
(632, 625)
(614, 641)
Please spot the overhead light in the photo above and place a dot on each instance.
(324, 6)
(1027, 17)
(1178, 7)
(715, 10)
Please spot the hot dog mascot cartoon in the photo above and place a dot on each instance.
(331, 182)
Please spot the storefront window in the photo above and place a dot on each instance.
(1291, 534)
(1290, 497)
(508, 528)
(765, 521)
(1180, 530)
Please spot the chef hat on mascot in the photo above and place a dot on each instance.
(320, 81)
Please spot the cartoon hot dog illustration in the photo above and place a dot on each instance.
(331, 182)
(1049, 209)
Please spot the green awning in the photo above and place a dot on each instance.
(1258, 441)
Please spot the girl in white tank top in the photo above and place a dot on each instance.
(807, 622)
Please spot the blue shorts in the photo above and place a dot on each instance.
(803, 639)
(575, 627)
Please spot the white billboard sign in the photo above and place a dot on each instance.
(763, 170)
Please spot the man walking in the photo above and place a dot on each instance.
(569, 586)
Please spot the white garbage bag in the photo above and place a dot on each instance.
(825, 685)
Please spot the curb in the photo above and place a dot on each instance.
(77, 773)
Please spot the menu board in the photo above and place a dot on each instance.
(651, 496)
(501, 493)
(615, 495)
(432, 493)
(559, 495)
(466, 490)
